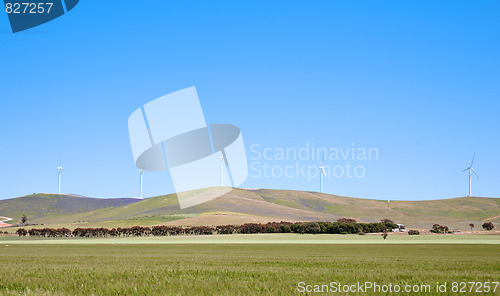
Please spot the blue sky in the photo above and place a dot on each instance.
(417, 80)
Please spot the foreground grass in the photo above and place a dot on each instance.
(208, 269)
(277, 238)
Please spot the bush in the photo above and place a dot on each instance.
(285, 229)
(323, 226)
(436, 228)
(250, 228)
(346, 220)
(22, 232)
(488, 226)
(344, 232)
(310, 227)
(225, 229)
(361, 233)
(296, 228)
(413, 232)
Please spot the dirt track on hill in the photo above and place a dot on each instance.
(4, 219)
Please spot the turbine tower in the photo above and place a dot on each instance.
(221, 169)
(59, 170)
(471, 170)
(141, 171)
(321, 172)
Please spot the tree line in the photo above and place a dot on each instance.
(342, 226)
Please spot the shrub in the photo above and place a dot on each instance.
(225, 229)
(310, 227)
(285, 229)
(346, 220)
(250, 228)
(413, 232)
(323, 226)
(344, 232)
(21, 232)
(361, 233)
(488, 226)
(296, 227)
(436, 228)
(390, 226)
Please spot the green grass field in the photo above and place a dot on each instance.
(258, 264)
(277, 238)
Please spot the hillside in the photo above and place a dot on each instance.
(38, 206)
(242, 206)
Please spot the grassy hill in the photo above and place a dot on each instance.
(39, 206)
(241, 206)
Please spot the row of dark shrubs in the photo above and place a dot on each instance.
(249, 228)
(436, 228)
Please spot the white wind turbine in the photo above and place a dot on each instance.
(141, 171)
(471, 170)
(59, 170)
(221, 169)
(321, 172)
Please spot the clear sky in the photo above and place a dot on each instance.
(419, 81)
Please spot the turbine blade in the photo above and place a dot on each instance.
(473, 156)
(474, 172)
(466, 169)
(323, 171)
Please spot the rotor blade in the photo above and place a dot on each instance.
(466, 169)
(323, 171)
(473, 156)
(474, 172)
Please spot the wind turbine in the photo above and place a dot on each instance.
(59, 170)
(321, 172)
(221, 169)
(141, 171)
(471, 170)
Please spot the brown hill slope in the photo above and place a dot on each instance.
(241, 205)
